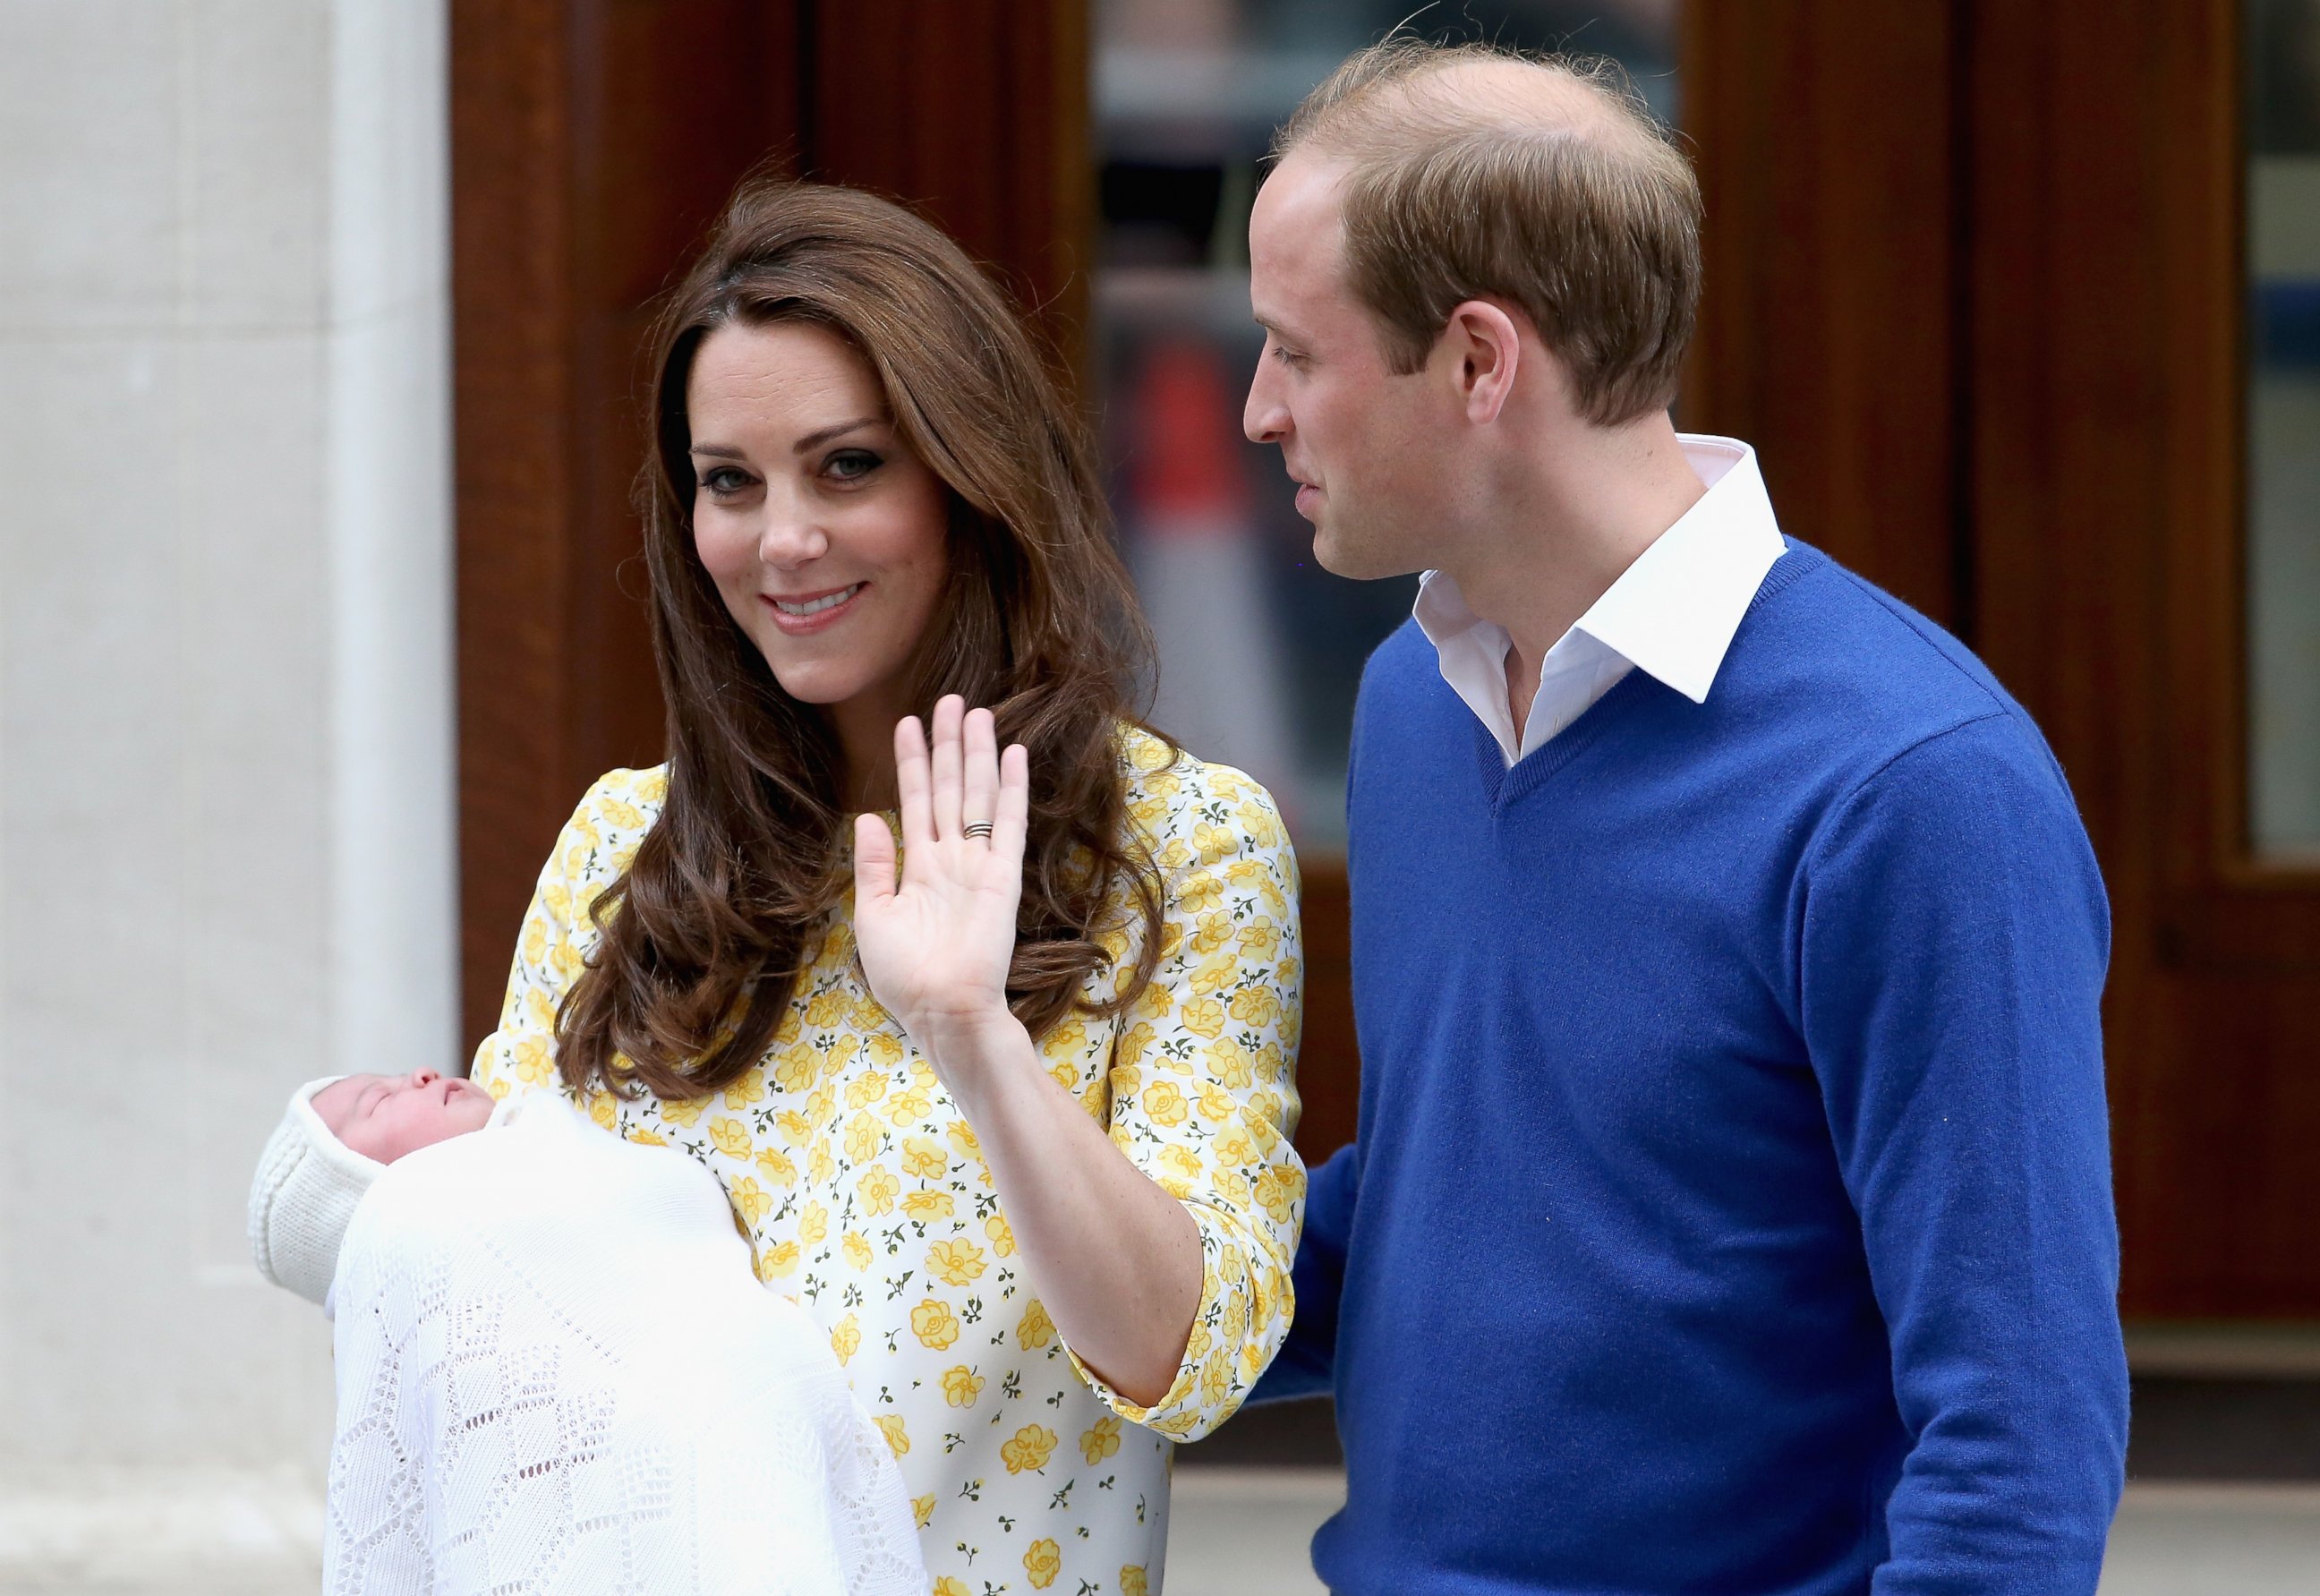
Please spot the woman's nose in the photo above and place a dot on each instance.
(791, 538)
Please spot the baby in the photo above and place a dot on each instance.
(555, 1362)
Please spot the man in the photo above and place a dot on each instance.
(1731, 1210)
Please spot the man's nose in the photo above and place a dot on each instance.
(1265, 418)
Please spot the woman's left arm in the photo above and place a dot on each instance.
(1145, 1293)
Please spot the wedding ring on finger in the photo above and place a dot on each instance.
(977, 829)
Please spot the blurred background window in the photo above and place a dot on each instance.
(2283, 430)
(1261, 651)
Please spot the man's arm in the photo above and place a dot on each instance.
(1306, 1363)
(1953, 941)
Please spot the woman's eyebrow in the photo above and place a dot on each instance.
(813, 440)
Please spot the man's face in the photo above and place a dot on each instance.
(1367, 447)
(383, 1117)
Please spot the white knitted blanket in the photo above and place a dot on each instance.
(557, 1373)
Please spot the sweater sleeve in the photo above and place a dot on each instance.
(1203, 1098)
(595, 847)
(1954, 939)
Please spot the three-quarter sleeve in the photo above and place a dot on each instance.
(1203, 1078)
(595, 847)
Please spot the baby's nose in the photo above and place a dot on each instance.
(425, 1077)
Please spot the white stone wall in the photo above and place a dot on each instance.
(226, 808)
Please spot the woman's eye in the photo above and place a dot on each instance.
(851, 464)
(724, 481)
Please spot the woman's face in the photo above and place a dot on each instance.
(827, 537)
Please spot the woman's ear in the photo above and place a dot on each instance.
(1485, 347)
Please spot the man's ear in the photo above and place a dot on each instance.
(1483, 348)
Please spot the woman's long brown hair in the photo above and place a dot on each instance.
(704, 937)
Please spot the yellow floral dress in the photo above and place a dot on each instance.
(867, 1198)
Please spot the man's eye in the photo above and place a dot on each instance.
(1285, 356)
(851, 464)
(724, 481)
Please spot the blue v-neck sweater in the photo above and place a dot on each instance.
(1731, 1206)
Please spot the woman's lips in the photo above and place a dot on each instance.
(821, 612)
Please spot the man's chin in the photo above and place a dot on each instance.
(1350, 559)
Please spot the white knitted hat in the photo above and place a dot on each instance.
(307, 1184)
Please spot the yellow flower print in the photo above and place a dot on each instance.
(1035, 1329)
(795, 1068)
(862, 1134)
(751, 1200)
(922, 1513)
(744, 1092)
(946, 1585)
(958, 1262)
(1272, 1064)
(603, 1110)
(1204, 1016)
(1070, 1036)
(821, 1108)
(898, 1438)
(1029, 1450)
(1201, 890)
(535, 939)
(961, 1385)
(1043, 1562)
(1002, 1236)
(1216, 1377)
(1256, 1005)
(498, 1087)
(1138, 1041)
(539, 1009)
(880, 1048)
(865, 1090)
(1172, 854)
(846, 1337)
(684, 1110)
(1165, 1105)
(778, 1261)
(924, 1158)
(1217, 1104)
(923, 1206)
(1234, 1148)
(651, 786)
(793, 1128)
(1215, 974)
(857, 1250)
(533, 1066)
(1181, 1162)
(1232, 1062)
(729, 1137)
(827, 1007)
(1100, 1442)
(648, 1138)
(1271, 1194)
(877, 1187)
(934, 1324)
(1132, 1580)
(776, 1167)
(813, 1224)
(558, 900)
(819, 1166)
(1260, 938)
(623, 815)
(1213, 932)
(1065, 1074)
(962, 1139)
(910, 1104)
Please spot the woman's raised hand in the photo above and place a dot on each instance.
(936, 946)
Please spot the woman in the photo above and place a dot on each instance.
(1014, 1127)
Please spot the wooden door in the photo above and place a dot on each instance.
(1975, 288)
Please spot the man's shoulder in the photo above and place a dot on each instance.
(1841, 653)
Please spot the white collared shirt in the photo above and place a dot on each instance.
(1671, 614)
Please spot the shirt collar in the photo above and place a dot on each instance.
(1674, 613)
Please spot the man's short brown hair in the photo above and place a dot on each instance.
(1481, 173)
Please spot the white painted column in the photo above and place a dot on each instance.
(226, 808)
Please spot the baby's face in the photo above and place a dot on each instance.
(383, 1117)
